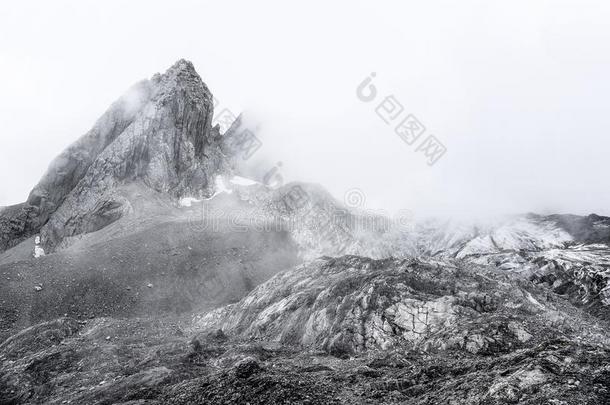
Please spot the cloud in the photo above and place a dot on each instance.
(515, 91)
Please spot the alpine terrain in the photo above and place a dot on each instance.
(145, 268)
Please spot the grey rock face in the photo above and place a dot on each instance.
(159, 133)
(352, 304)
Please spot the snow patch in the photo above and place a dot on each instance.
(188, 201)
(534, 301)
(242, 181)
(220, 187)
(38, 251)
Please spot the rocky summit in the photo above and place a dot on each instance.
(144, 268)
(159, 134)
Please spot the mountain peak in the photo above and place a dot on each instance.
(158, 134)
(182, 66)
(181, 77)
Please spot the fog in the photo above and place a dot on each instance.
(516, 92)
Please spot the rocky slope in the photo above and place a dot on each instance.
(151, 262)
(352, 304)
(476, 336)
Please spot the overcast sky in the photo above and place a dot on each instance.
(516, 91)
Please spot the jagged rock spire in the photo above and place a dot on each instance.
(159, 133)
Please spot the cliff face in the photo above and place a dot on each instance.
(159, 133)
(353, 304)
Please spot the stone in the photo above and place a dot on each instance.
(246, 367)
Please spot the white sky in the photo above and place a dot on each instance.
(517, 91)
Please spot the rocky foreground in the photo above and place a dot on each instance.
(336, 331)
